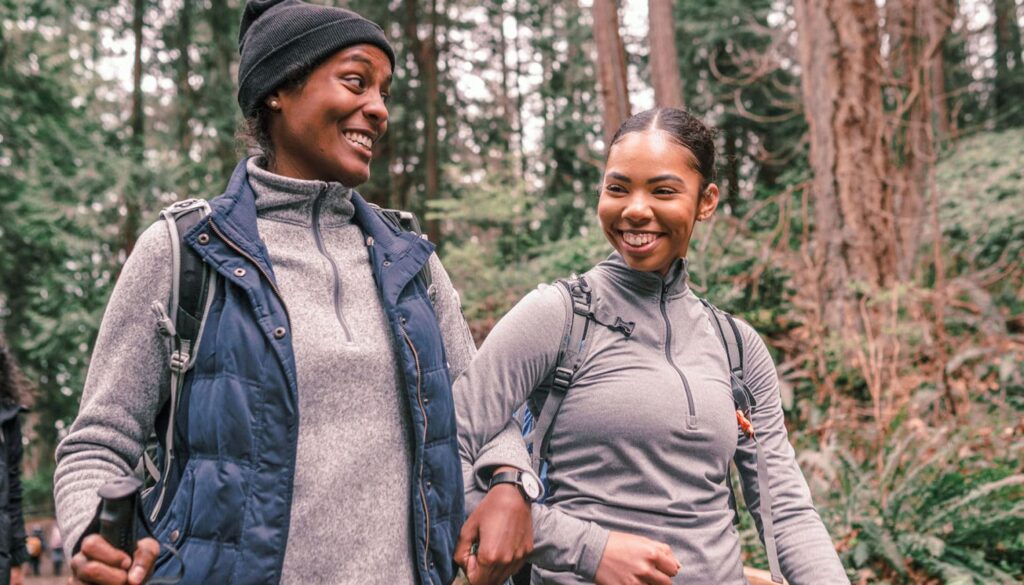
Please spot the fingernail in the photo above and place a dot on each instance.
(137, 574)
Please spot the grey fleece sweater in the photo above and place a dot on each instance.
(643, 439)
(350, 515)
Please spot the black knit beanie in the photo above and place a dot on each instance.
(280, 37)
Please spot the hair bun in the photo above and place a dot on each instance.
(253, 10)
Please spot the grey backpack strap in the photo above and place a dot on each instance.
(192, 289)
(578, 297)
(729, 334)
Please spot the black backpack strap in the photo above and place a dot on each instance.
(406, 221)
(571, 354)
(192, 289)
(729, 334)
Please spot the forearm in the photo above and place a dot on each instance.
(566, 544)
(805, 549)
(17, 551)
(127, 382)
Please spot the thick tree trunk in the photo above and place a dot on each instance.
(855, 234)
(665, 77)
(426, 54)
(611, 66)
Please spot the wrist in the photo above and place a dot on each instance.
(526, 483)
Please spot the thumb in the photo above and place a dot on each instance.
(467, 536)
(472, 569)
(146, 552)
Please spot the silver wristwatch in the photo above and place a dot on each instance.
(529, 488)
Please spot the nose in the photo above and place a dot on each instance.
(637, 210)
(376, 110)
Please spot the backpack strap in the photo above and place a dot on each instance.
(193, 284)
(571, 353)
(729, 334)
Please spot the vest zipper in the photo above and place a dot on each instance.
(233, 246)
(419, 483)
(318, 204)
(692, 418)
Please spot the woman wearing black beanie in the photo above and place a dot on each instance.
(313, 434)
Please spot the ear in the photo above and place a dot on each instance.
(273, 101)
(708, 203)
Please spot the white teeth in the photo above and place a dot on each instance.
(635, 239)
(360, 139)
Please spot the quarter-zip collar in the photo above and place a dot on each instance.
(648, 284)
(280, 198)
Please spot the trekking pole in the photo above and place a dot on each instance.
(117, 513)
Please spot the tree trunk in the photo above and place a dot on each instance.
(183, 71)
(130, 198)
(855, 235)
(1008, 66)
(137, 119)
(665, 77)
(611, 66)
(220, 90)
(426, 54)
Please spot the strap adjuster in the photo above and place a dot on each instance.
(179, 360)
(562, 378)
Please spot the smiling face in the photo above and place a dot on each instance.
(650, 199)
(325, 128)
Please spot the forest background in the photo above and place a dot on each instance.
(870, 228)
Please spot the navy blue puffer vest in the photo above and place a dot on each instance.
(233, 475)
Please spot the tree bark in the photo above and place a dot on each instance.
(183, 71)
(1008, 82)
(137, 118)
(220, 84)
(130, 198)
(611, 66)
(426, 54)
(855, 234)
(665, 77)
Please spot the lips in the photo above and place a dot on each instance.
(360, 139)
(639, 241)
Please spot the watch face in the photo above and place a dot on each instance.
(530, 486)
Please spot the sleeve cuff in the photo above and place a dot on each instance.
(594, 541)
(507, 449)
(19, 554)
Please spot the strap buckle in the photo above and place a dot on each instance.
(562, 378)
(179, 360)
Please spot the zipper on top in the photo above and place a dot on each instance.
(691, 419)
(338, 292)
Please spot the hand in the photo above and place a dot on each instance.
(630, 559)
(503, 528)
(99, 563)
(17, 577)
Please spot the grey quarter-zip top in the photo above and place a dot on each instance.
(644, 437)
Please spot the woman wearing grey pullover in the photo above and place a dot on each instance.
(348, 499)
(640, 449)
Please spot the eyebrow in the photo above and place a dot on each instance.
(361, 58)
(666, 177)
(619, 177)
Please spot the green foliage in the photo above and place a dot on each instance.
(942, 503)
(982, 187)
